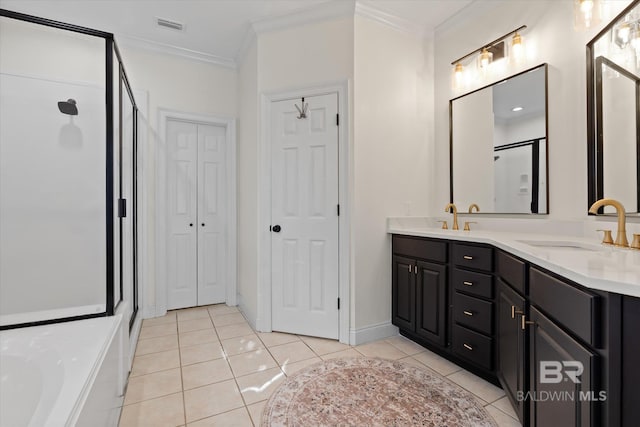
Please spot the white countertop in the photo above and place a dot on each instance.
(605, 267)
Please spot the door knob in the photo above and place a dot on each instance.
(191, 224)
(276, 228)
(203, 224)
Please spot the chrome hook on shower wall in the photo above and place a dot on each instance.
(303, 112)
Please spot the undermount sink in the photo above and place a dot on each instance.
(557, 244)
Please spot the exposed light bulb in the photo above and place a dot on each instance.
(635, 38)
(586, 10)
(622, 35)
(459, 69)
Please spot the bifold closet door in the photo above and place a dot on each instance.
(182, 250)
(197, 192)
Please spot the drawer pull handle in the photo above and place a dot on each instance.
(409, 268)
(467, 283)
(467, 257)
(514, 312)
(468, 347)
(468, 313)
(415, 269)
(526, 322)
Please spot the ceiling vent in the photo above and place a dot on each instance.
(166, 23)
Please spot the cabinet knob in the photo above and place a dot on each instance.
(467, 346)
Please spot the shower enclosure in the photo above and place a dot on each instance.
(68, 187)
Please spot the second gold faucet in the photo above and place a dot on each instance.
(452, 207)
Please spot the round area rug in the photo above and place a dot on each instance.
(372, 392)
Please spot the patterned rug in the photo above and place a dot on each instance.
(372, 392)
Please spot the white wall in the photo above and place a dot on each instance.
(248, 184)
(177, 84)
(393, 92)
(550, 38)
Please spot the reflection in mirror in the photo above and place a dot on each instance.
(613, 103)
(499, 146)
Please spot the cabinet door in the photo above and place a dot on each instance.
(511, 346)
(559, 398)
(431, 307)
(404, 293)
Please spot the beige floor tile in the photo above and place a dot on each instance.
(194, 325)
(158, 330)
(229, 319)
(199, 374)
(436, 362)
(502, 419)
(344, 353)
(155, 362)
(201, 353)
(292, 352)
(192, 314)
(254, 361)
(232, 331)
(260, 386)
(170, 317)
(236, 418)
(413, 362)
(322, 346)
(237, 345)
(476, 385)
(155, 345)
(255, 411)
(202, 336)
(212, 400)
(221, 310)
(381, 349)
(163, 411)
(276, 338)
(153, 385)
(405, 345)
(292, 368)
(504, 404)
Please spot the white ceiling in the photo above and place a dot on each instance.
(526, 90)
(214, 28)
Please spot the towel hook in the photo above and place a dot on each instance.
(303, 112)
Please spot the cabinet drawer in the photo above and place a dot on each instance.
(477, 257)
(472, 346)
(472, 282)
(473, 313)
(574, 308)
(430, 250)
(511, 270)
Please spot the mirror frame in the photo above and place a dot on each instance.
(595, 161)
(544, 66)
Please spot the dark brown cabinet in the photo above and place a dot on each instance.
(511, 347)
(419, 288)
(563, 374)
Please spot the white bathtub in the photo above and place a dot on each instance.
(68, 374)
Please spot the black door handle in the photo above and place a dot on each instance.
(276, 228)
(203, 224)
(191, 225)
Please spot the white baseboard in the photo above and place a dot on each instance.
(372, 333)
(251, 318)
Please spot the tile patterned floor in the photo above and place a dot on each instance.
(205, 366)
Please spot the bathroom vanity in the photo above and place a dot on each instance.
(504, 306)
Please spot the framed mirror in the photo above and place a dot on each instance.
(613, 108)
(498, 146)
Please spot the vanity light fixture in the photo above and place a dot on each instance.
(488, 54)
(586, 13)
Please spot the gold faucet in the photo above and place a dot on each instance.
(621, 237)
(455, 215)
(474, 205)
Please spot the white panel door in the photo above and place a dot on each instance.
(182, 141)
(304, 207)
(211, 214)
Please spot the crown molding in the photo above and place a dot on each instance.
(471, 11)
(168, 49)
(320, 12)
(395, 22)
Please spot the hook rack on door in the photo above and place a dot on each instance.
(303, 111)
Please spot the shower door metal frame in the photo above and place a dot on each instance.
(110, 48)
